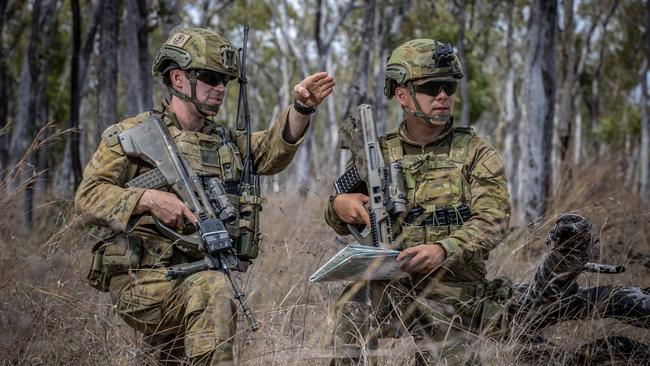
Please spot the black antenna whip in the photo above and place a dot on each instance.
(243, 101)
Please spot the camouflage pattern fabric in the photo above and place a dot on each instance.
(447, 306)
(197, 48)
(367, 312)
(101, 197)
(188, 321)
(197, 308)
(478, 181)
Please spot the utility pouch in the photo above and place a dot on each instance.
(158, 252)
(123, 253)
(495, 319)
(248, 242)
(98, 276)
(470, 304)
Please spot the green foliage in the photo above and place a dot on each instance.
(615, 125)
(429, 20)
(480, 96)
(622, 60)
(257, 14)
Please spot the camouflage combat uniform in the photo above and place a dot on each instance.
(458, 183)
(200, 305)
(190, 319)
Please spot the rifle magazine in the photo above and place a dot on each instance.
(349, 181)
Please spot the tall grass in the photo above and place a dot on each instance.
(50, 316)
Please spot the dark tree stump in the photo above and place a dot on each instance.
(554, 296)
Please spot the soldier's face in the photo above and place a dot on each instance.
(209, 94)
(210, 87)
(433, 105)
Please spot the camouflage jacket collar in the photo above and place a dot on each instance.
(444, 136)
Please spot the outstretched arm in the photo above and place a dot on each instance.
(309, 93)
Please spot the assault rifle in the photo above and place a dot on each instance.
(385, 183)
(204, 196)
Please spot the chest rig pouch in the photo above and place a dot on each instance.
(216, 155)
(436, 186)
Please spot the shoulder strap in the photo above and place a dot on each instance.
(394, 145)
(224, 134)
(157, 112)
(111, 135)
(460, 143)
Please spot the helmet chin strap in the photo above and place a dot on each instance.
(434, 120)
(206, 110)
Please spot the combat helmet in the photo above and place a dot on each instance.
(195, 49)
(417, 62)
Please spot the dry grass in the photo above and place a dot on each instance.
(50, 316)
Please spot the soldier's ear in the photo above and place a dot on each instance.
(402, 95)
(176, 76)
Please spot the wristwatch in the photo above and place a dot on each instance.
(302, 109)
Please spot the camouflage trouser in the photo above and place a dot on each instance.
(381, 309)
(186, 321)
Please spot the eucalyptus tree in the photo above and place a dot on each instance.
(537, 111)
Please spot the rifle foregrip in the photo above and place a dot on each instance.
(186, 269)
(349, 181)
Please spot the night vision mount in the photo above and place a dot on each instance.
(443, 55)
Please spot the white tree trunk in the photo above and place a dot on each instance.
(509, 110)
(577, 132)
(537, 117)
(645, 132)
(645, 138)
(509, 143)
(460, 45)
(388, 26)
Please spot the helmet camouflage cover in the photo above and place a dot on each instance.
(197, 48)
(419, 61)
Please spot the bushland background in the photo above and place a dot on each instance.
(559, 87)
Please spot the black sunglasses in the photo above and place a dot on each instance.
(433, 88)
(212, 78)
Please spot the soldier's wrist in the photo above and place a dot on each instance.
(303, 109)
(441, 246)
(144, 203)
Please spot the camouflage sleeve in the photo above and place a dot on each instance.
(271, 152)
(334, 221)
(490, 203)
(101, 198)
(331, 218)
